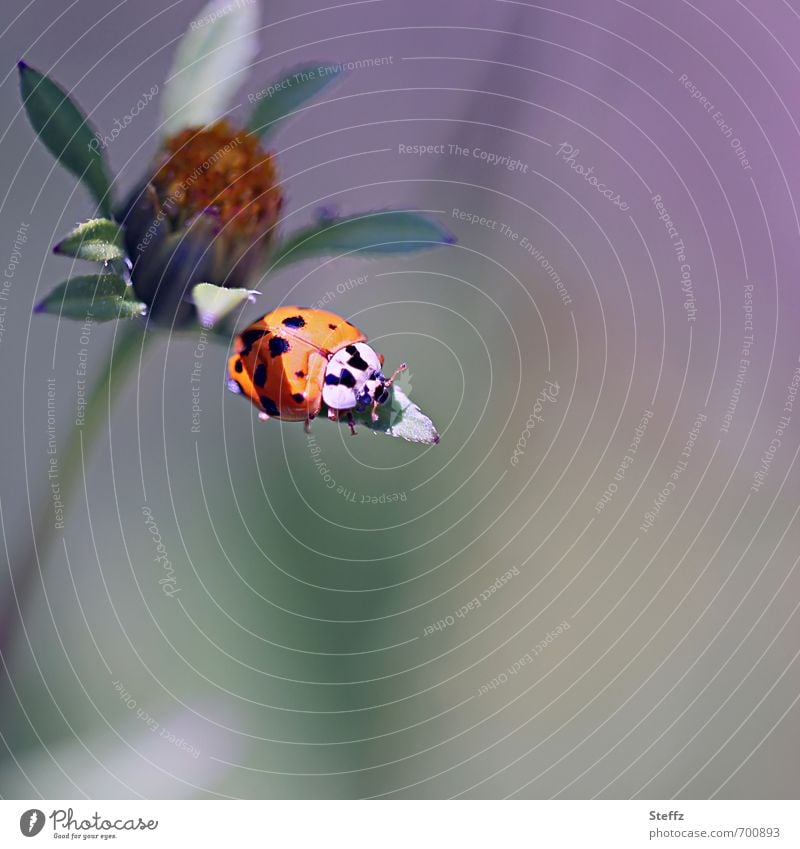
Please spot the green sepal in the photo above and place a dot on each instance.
(368, 233)
(66, 133)
(98, 240)
(213, 303)
(286, 95)
(100, 297)
(210, 63)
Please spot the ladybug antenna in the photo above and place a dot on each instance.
(402, 367)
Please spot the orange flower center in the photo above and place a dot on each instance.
(223, 172)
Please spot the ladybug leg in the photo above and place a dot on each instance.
(333, 415)
(402, 367)
(351, 423)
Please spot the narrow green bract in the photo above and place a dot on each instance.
(65, 132)
(215, 302)
(101, 297)
(286, 95)
(372, 233)
(98, 240)
(209, 65)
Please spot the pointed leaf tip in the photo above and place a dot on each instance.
(209, 65)
(370, 233)
(403, 419)
(65, 132)
(101, 297)
(327, 213)
(215, 302)
(98, 240)
(286, 96)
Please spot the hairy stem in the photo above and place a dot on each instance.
(44, 534)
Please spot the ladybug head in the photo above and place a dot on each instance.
(354, 380)
(377, 390)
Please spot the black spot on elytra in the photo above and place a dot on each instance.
(260, 375)
(294, 321)
(237, 366)
(357, 361)
(278, 346)
(270, 407)
(331, 380)
(299, 374)
(333, 326)
(298, 396)
(347, 379)
(250, 337)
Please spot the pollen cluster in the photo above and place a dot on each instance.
(223, 172)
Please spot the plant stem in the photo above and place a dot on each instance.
(128, 344)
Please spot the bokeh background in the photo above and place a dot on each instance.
(608, 654)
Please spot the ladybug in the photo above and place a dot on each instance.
(292, 360)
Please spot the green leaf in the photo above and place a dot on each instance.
(372, 233)
(402, 418)
(285, 96)
(101, 297)
(209, 65)
(215, 302)
(65, 132)
(98, 240)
